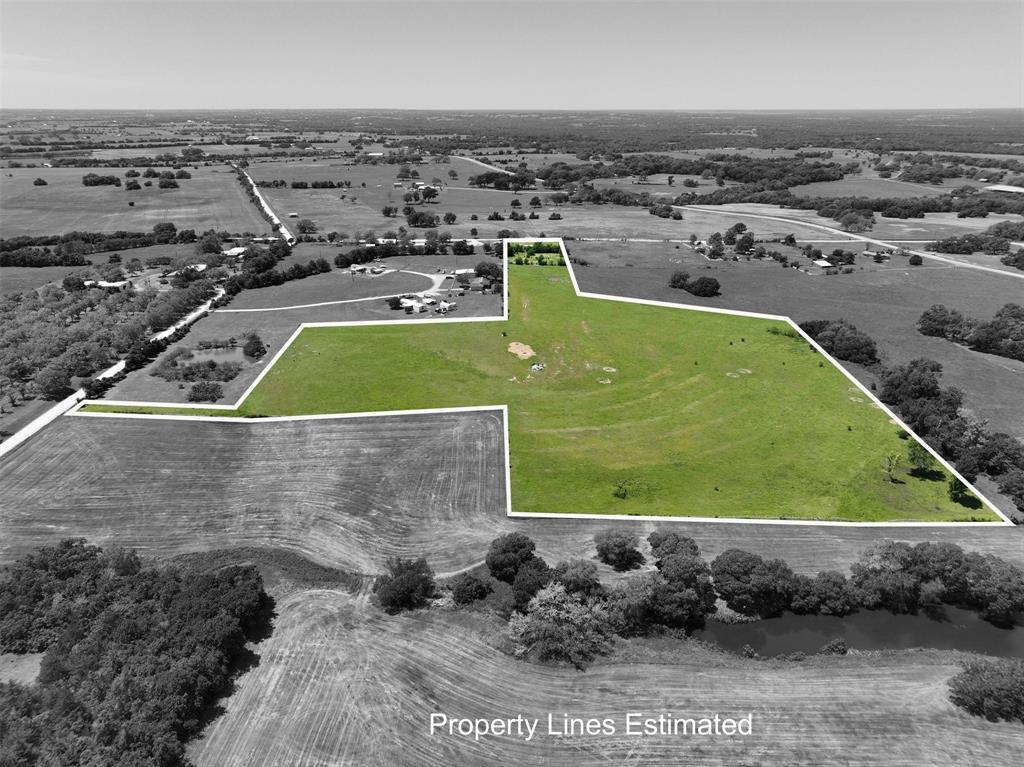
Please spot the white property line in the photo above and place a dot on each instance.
(77, 410)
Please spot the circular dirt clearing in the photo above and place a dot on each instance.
(609, 370)
(604, 380)
(856, 399)
(745, 371)
(733, 375)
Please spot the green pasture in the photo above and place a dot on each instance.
(639, 409)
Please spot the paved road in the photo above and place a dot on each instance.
(860, 237)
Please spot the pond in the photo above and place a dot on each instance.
(949, 629)
(219, 355)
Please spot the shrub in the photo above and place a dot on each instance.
(679, 280)
(254, 346)
(686, 597)
(507, 554)
(467, 588)
(407, 585)
(39, 182)
(992, 689)
(205, 391)
(618, 547)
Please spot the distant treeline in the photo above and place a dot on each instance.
(1003, 335)
(70, 248)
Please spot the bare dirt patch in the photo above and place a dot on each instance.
(522, 351)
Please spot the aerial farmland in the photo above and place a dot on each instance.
(380, 387)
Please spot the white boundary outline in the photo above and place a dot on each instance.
(77, 409)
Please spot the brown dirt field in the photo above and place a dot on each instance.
(340, 682)
(345, 492)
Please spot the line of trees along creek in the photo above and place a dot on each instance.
(566, 614)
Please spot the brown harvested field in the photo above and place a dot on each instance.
(340, 682)
(884, 301)
(344, 492)
(211, 199)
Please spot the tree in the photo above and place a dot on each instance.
(617, 546)
(957, 490)
(205, 391)
(453, 175)
(408, 584)
(993, 689)
(744, 244)
(532, 576)
(827, 593)
(578, 577)
(892, 465)
(488, 269)
(884, 577)
(679, 279)
(704, 287)
(516, 203)
(751, 585)
(665, 543)
(39, 182)
(919, 457)
(254, 346)
(686, 597)
(209, 243)
(449, 218)
(305, 226)
(467, 588)
(535, 202)
(915, 260)
(561, 626)
(507, 554)
(164, 232)
(428, 193)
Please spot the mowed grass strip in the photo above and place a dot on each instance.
(639, 409)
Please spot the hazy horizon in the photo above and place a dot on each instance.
(627, 56)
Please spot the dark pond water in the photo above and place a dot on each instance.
(949, 629)
(218, 355)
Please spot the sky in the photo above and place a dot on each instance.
(500, 54)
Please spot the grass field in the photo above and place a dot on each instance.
(212, 198)
(712, 415)
(860, 186)
(15, 279)
(885, 301)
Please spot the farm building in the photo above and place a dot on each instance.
(234, 252)
(822, 263)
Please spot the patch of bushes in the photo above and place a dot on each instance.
(704, 287)
(992, 689)
(842, 340)
(205, 391)
(408, 584)
(617, 547)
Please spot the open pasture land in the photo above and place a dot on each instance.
(211, 199)
(866, 186)
(713, 416)
(17, 279)
(885, 301)
(342, 683)
(658, 184)
(346, 493)
(934, 226)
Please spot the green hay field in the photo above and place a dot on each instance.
(640, 409)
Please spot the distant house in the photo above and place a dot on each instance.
(1004, 188)
(822, 263)
(234, 252)
(479, 283)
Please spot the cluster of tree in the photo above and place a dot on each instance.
(177, 366)
(408, 584)
(136, 655)
(756, 172)
(94, 179)
(1015, 259)
(966, 244)
(1002, 335)
(69, 249)
(993, 689)
(259, 269)
(50, 338)
(842, 340)
(522, 178)
(421, 219)
(705, 287)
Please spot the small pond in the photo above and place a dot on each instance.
(219, 355)
(949, 628)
